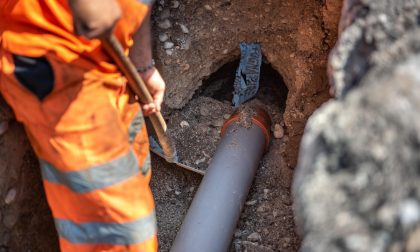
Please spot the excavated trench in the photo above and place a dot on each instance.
(197, 54)
(267, 218)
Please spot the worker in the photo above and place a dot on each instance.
(82, 120)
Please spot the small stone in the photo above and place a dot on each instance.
(199, 161)
(184, 28)
(275, 213)
(4, 126)
(238, 233)
(204, 111)
(225, 51)
(184, 124)
(165, 24)
(163, 37)
(203, 128)
(286, 241)
(186, 44)
(218, 123)
(10, 220)
(409, 213)
(175, 5)
(208, 7)
(205, 154)
(168, 188)
(186, 67)
(226, 116)
(10, 196)
(168, 45)
(278, 131)
(254, 237)
(169, 52)
(251, 202)
(177, 193)
(266, 191)
(166, 13)
(263, 208)
(192, 188)
(285, 200)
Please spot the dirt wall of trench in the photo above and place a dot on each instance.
(296, 37)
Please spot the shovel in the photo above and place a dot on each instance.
(113, 47)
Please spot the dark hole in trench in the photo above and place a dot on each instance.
(272, 92)
(205, 117)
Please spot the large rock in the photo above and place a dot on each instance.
(357, 184)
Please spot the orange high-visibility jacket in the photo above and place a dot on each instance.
(91, 141)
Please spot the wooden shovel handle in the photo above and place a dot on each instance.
(115, 50)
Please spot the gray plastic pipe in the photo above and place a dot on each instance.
(213, 215)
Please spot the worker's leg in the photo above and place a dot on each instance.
(132, 118)
(99, 197)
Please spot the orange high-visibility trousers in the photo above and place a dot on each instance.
(90, 139)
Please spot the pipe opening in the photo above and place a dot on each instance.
(273, 91)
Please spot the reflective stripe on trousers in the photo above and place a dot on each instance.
(128, 233)
(96, 178)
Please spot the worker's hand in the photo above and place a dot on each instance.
(156, 86)
(94, 18)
